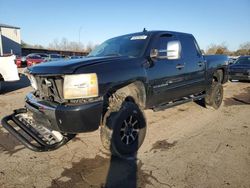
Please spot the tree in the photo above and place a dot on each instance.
(26, 45)
(245, 46)
(244, 49)
(220, 51)
(64, 44)
(38, 46)
(90, 46)
(211, 49)
(217, 49)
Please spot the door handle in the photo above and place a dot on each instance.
(200, 63)
(179, 66)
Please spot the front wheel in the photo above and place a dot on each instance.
(123, 131)
(214, 95)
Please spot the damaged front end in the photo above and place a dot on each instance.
(35, 137)
(48, 121)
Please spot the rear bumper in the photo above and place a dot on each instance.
(65, 118)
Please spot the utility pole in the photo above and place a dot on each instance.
(79, 35)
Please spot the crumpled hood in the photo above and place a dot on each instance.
(69, 66)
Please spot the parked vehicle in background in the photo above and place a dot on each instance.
(35, 59)
(31, 59)
(232, 59)
(76, 57)
(112, 86)
(20, 62)
(240, 70)
(8, 69)
(55, 57)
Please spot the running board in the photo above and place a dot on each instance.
(29, 136)
(178, 102)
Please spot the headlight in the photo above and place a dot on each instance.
(32, 79)
(33, 82)
(80, 86)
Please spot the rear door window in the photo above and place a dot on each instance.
(191, 49)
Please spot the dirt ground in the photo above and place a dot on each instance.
(185, 146)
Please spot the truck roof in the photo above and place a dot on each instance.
(155, 32)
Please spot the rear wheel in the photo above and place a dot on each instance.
(219, 76)
(123, 131)
(214, 95)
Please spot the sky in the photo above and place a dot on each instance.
(210, 21)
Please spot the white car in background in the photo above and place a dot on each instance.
(8, 69)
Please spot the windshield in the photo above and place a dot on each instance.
(43, 55)
(243, 60)
(35, 57)
(128, 45)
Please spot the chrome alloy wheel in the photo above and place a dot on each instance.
(129, 130)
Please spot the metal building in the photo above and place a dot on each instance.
(10, 40)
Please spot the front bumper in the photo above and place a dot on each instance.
(239, 77)
(46, 126)
(29, 136)
(65, 118)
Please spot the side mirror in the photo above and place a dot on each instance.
(154, 54)
(173, 50)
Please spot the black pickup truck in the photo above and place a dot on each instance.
(112, 86)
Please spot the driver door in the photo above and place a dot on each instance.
(166, 76)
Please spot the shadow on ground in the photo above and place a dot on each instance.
(240, 99)
(201, 103)
(105, 172)
(8, 144)
(7, 87)
(111, 171)
(99, 172)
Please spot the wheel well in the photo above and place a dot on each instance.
(215, 79)
(137, 93)
(134, 92)
(217, 74)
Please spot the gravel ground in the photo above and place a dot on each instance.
(185, 146)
